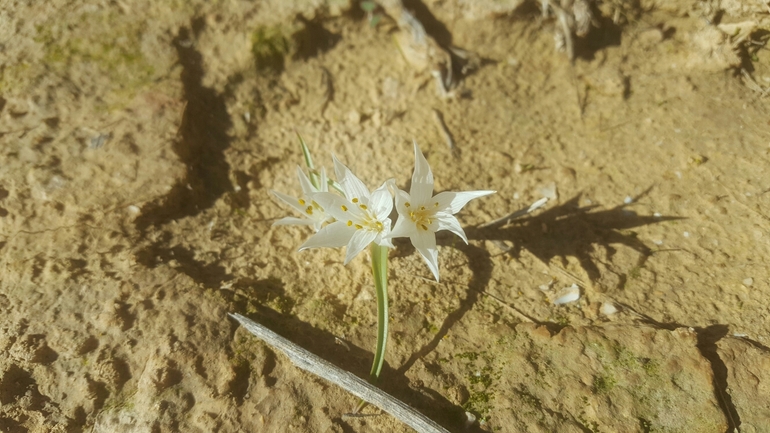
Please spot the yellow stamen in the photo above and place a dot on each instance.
(359, 227)
(302, 202)
(350, 223)
(355, 200)
(407, 204)
(344, 208)
(423, 226)
(362, 206)
(309, 210)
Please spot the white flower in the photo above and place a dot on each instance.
(361, 217)
(313, 212)
(421, 214)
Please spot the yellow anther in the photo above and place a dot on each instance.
(302, 202)
(344, 208)
(309, 210)
(423, 226)
(359, 226)
(422, 207)
(355, 200)
(350, 223)
(435, 204)
(362, 206)
(407, 204)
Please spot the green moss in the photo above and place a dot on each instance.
(104, 39)
(604, 384)
(269, 46)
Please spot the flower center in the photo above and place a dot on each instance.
(366, 220)
(422, 217)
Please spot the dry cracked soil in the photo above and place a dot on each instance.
(139, 142)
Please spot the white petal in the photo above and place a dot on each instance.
(402, 198)
(422, 179)
(383, 238)
(334, 235)
(352, 185)
(448, 222)
(424, 242)
(404, 227)
(381, 202)
(452, 202)
(291, 201)
(360, 240)
(292, 221)
(324, 187)
(304, 182)
(338, 207)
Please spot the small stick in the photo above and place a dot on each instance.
(344, 379)
(442, 129)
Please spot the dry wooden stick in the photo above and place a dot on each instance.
(344, 379)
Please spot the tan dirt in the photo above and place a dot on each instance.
(139, 141)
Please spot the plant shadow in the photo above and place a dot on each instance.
(571, 231)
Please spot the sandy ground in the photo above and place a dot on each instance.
(139, 141)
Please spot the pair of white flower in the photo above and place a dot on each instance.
(361, 217)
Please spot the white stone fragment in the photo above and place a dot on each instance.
(567, 295)
(549, 191)
(748, 282)
(608, 309)
(628, 200)
(470, 419)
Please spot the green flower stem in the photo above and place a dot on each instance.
(380, 271)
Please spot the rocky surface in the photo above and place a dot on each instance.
(139, 141)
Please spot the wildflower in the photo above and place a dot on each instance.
(314, 214)
(361, 217)
(421, 214)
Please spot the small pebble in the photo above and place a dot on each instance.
(686, 234)
(133, 210)
(658, 242)
(748, 282)
(608, 309)
(628, 200)
(470, 419)
(567, 295)
(657, 215)
(515, 195)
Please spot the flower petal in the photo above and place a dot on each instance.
(324, 187)
(381, 202)
(402, 197)
(424, 242)
(360, 240)
(447, 221)
(404, 227)
(307, 187)
(352, 185)
(334, 235)
(452, 202)
(292, 221)
(291, 201)
(422, 179)
(338, 207)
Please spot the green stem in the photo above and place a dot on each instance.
(380, 271)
